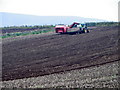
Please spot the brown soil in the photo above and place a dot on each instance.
(47, 54)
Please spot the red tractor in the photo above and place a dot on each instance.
(64, 28)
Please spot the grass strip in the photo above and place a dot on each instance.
(7, 35)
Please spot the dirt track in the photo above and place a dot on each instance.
(48, 54)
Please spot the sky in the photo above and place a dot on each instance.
(100, 9)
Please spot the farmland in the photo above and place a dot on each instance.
(39, 55)
(102, 76)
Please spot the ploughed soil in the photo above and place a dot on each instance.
(40, 55)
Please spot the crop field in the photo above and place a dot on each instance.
(24, 31)
(38, 55)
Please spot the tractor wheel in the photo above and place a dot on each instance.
(83, 31)
(88, 31)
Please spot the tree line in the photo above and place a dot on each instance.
(90, 24)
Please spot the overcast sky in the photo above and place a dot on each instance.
(100, 9)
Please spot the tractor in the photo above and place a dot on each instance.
(83, 28)
(61, 28)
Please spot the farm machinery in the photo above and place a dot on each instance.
(61, 28)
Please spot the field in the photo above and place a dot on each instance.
(38, 55)
(102, 76)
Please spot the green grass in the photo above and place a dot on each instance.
(7, 35)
